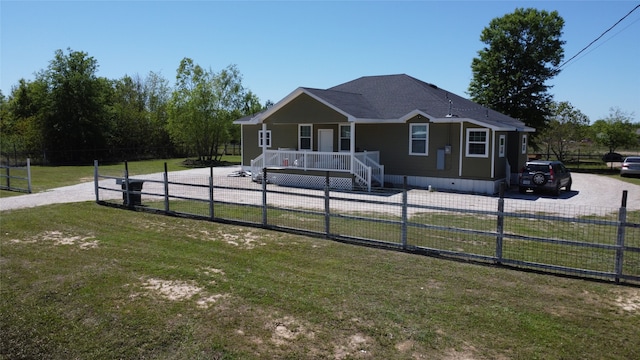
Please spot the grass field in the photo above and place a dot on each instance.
(87, 281)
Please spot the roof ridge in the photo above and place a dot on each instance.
(331, 89)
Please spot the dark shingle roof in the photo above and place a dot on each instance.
(394, 96)
(353, 103)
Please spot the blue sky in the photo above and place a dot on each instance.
(280, 46)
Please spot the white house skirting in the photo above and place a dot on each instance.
(463, 185)
(309, 181)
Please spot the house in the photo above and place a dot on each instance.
(373, 131)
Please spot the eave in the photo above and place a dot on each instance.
(259, 118)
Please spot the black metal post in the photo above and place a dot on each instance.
(622, 220)
(211, 214)
(327, 208)
(166, 188)
(264, 197)
(405, 218)
(95, 180)
(126, 183)
(500, 226)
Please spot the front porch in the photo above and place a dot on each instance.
(363, 166)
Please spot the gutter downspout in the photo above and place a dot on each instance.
(264, 138)
(352, 143)
(264, 145)
(492, 154)
(242, 147)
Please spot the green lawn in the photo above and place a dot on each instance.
(87, 281)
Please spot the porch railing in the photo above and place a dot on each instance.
(365, 166)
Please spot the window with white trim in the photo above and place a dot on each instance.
(502, 141)
(305, 139)
(477, 142)
(524, 144)
(419, 139)
(264, 138)
(345, 137)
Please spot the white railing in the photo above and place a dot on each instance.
(372, 159)
(365, 167)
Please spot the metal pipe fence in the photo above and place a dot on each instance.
(598, 242)
(16, 178)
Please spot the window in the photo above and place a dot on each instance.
(264, 138)
(304, 137)
(477, 142)
(345, 137)
(501, 145)
(524, 144)
(418, 139)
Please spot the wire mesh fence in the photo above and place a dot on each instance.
(593, 242)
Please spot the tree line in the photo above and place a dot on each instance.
(69, 115)
(523, 51)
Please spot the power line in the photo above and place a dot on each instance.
(598, 38)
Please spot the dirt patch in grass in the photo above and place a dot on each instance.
(464, 354)
(629, 300)
(58, 238)
(287, 330)
(174, 290)
(236, 236)
(244, 240)
(171, 290)
(356, 345)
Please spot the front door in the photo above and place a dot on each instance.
(325, 140)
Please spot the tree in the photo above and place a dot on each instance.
(203, 107)
(158, 95)
(129, 127)
(251, 106)
(522, 53)
(22, 119)
(75, 121)
(566, 126)
(615, 131)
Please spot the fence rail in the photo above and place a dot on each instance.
(16, 178)
(602, 243)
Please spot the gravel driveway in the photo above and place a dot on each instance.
(594, 193)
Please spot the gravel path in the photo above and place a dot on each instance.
(86, 191)
(591, 194)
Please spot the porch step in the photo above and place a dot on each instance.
(361, 185)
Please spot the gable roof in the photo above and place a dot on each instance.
(397, 98)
